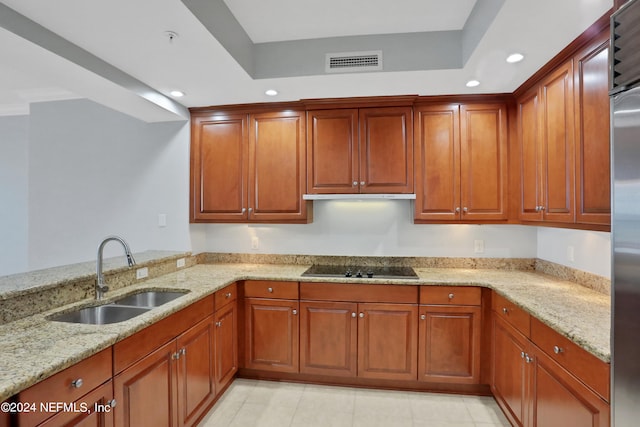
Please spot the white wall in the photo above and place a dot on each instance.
(591, 249)
(96, 172)
(372, 228)
(14, 179)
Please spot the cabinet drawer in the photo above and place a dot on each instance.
(270, 289)
(66, 386)
(517, 317)
(226, 295)
(587, 367)
(359, 293)
(450, 295)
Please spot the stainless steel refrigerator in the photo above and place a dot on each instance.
(625, 226)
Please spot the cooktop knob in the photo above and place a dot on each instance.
(347, 273)
(359, 273)
(369, 274)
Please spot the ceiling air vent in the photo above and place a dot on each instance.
(348, 62)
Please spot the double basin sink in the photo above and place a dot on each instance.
(119, 310)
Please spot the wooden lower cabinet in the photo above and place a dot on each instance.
(533, 390)
(510, 376)
(328, 338)
(387, 341)
(366, 340)
(449, 344)
(172, 386)
(99, 411)
(558, 398)
(226, 345)
(271, 334)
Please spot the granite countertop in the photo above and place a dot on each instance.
(35, 348)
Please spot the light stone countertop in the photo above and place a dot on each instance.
(35, 348)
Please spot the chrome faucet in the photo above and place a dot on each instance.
(101, 286)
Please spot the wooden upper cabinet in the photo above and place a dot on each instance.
(593, 169)
(248, 167)
(558, 144)
(332, 151)
(277, 167)
(530, 157)
(386, 150)
(483, 161)
(366, 150)
(437, 164)
(461, 162)
(219, 156)
(546, 140)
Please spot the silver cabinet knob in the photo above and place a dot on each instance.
(542, 208)
(112, 403)
(295, 312)
(353, 314)
(250, 210)
(423, 316)
(505, 310)
(355, 183)
(270, 290)
(465, 209)
(361, 315)
(451, 296)
(244, 210)
(537, 208)
(557, 350)
(218, 324)
(77, 383)
(528, 358)
(458, 209)
(361, 182)
(227, 295)
(522, 354)
(183, 351)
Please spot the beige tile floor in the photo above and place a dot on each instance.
(251, 403)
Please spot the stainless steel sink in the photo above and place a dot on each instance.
(150, 298)
(100, 315)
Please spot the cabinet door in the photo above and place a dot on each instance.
(195, 372)
(483, 161)
(271, 335)
(558, 144)
(277, 167)
(226, 342)
(529, 139)
(510, 379)
(328, 338)
(388, 341)
(219, 156)
(593, 170)
(558, 398)
(437, 162)
(332, 151)
(99, 411)
(449, 344)
(146, 392)
(386, 150)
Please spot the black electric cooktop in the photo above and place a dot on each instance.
(360, 272)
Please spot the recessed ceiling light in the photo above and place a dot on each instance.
(473, 83)
(515, 57)
(177, 93)
(271, 92)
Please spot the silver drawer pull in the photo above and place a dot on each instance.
(270, 290)
(295, 311)
(451, 296)
(504, 310)
(77, 383)
(423, 316)
(557, 350)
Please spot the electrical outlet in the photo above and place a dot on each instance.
(141, 273)
(571, 253)
(181, 262)
(478, 246)
(255, 242)
(162, 220)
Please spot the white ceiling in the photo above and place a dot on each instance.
(130, 35)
